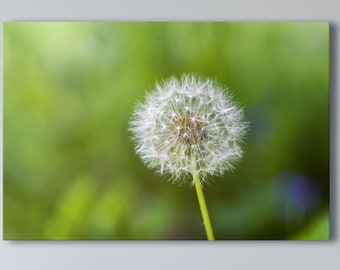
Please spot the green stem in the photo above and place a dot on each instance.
(204, 209)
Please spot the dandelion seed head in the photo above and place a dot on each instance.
(188, 126)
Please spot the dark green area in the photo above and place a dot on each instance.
(70, 171)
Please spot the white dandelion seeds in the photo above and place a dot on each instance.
(188, 126)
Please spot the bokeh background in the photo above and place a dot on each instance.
(70, 170)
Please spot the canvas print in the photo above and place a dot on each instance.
(166, 131)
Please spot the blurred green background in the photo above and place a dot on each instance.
(70, 171)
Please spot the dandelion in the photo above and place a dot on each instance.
(189, 128)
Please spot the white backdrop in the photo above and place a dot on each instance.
(231, 255)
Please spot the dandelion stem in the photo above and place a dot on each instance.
(204, 209)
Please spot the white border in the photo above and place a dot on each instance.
(182, 255)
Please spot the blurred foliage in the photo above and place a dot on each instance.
(317, 230)
(70, 171)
